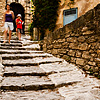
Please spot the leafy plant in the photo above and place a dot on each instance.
(30, 29)
(91, 71)
(45, 15)
(98, 76)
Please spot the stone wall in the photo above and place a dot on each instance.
(78, 42)
(2, 10)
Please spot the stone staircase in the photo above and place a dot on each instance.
(26, 73)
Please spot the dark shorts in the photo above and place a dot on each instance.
(20, 30)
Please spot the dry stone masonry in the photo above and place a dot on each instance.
(26, 73)
(2, 9)
(78, 42)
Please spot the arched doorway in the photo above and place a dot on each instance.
(17, 8)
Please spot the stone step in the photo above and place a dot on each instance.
(36, 52)
(19, 62)
(12, 44)
(1, 37)
(26, 38)
(16, 56)
(31, 95)
(38, 82)
(28, 42)
(23, 56)
(25, 71)
(27, 83)
(12, 41)
(43, 69)
(17, 48)
(12, 48)
(86, 90)
(67, 77)
(49, 59)
(32, 47)
(34, 61)
(58, 67)
(8, 51)
(13, 51)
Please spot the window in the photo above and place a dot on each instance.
(69, 15)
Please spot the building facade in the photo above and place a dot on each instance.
(18, 6)
(81, 6)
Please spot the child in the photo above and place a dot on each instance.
(19, 23)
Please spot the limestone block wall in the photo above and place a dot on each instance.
(28, 14)
(2, 10)
(78, 42)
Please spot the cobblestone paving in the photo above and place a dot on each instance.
(26, 73)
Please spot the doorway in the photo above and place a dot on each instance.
(17, 8)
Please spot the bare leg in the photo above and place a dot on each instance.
(10, 35)
(16, 32)
(5, 36)
(19, 36)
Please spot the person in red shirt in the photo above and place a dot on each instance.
(19, 23)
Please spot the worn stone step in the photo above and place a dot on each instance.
(17, 48)
(43, 69)
(32, 47)
(12, 48)
(67, 77)
(20, 62)
(58, 67)
(31, 95)
(1, 37)
(12, 41)
(16, 56)
(86, 90)
(12, 44)
(36, 52)
(5, 51)
(28, 42)
(25, 71)
(34, 61)
(23, 56)
(26, 38)
(49, 59)
(26, 83)
(8, 51)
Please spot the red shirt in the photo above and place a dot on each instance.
(19, 23)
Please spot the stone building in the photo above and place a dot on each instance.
(18, 6)
(82, 6)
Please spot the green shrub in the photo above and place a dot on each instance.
(30, 29)
(45, 15)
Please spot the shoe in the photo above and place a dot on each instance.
(9, 42)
